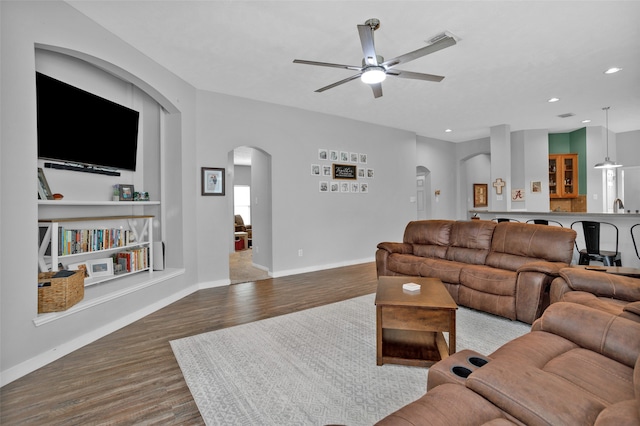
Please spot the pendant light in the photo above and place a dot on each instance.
(607, 163)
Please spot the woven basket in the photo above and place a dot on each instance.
(62, 294)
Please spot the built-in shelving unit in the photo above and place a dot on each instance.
(83, 239)
(55, 215)
(563, 175)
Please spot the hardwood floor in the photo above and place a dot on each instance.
(131, 375)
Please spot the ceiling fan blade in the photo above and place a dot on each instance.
(438, 45)
(377, 90)
(327, 64)
(368, 47)
(414, 75)
(338, 83)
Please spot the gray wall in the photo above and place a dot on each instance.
(55, 25)
(331, 229)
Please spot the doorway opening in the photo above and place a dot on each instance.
(250, 257)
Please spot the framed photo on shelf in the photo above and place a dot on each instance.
(213, 181)
(100, 267)
(480, 195)
(43, 187)
(125, 192)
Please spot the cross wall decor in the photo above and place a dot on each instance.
(498, 184)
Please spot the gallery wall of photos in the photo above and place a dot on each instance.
(342, 172)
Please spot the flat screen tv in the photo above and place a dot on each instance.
(75, 126)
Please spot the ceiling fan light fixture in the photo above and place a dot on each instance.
(373, 75)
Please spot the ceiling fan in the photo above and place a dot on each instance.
(375, 69)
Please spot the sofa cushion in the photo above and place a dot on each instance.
(470, 241)
(442, 406)
(429, 232)
(605, 304)
(531, 243)
(406, 264)
(534, 396)
(601, 332)
(489, 280)
(445, 270)
(602, 284)
(605, 379)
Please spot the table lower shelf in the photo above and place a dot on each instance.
(414, 348)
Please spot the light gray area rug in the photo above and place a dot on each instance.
(313, 367)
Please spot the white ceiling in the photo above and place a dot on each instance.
(512, 56)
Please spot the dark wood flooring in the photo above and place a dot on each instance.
(132, 377)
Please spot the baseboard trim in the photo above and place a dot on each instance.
(212, 284)
(284, 273)
(53, 354)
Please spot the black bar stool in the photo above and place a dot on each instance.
(503, 219)
(633, 237)
(544, 222)
(591, 231)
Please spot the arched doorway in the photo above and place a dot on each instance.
(251, 258)
(423, 193)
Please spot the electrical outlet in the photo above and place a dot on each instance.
(300, 252)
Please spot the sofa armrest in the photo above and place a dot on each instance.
(402, 248)
(598, 331)
(602, 284)
(548, 268)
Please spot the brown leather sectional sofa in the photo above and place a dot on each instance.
(577, 366)
(504, 268)
(611, 293)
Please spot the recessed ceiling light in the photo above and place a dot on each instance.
(448, 130)
(586, 121)
(553, 100)
(613, 70)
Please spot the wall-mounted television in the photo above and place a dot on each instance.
(78, 127)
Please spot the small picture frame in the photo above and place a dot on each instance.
(334, 187)
(323, 186)
(213, 181)
(363, 158)
(323, 154)
(344, 156)
(326, 170)
(370, 173)
(125, 192)
(44, 192)
(480, 195)
(536, 186)
(315, 170)
(333, 155)
(100, 267)
(353, 157)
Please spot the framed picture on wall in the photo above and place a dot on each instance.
(480, 195)
(212, 181)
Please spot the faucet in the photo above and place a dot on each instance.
(617, 204)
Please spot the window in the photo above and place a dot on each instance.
(242, 202)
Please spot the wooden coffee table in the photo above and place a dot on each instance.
(409, 325)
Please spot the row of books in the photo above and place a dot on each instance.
(72, 241)
(132, 260)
